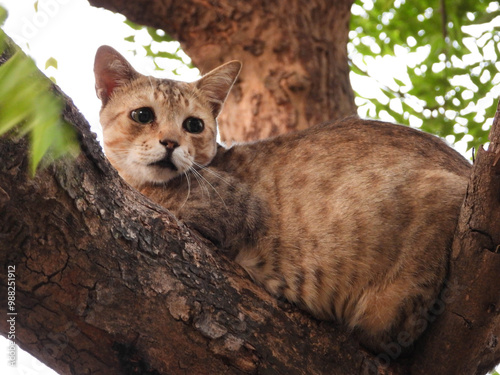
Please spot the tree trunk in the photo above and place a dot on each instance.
(295, 69)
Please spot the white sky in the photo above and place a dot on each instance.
(71, 31)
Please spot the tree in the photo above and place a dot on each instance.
(109, 282)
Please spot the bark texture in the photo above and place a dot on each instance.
(295, 69)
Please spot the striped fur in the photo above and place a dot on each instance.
(351, 220)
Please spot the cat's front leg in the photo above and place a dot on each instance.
(224, 211)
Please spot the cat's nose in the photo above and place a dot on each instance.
(169, 144)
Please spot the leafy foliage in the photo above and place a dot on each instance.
(451, 77)
(28, 106)
(161, 47)
(51, 62)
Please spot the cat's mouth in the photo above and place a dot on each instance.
(166, 162)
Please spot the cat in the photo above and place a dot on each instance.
(351, 220)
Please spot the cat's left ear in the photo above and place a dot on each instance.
(111, 71)
(217, 84)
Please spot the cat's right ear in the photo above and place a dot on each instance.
(217, 84)
(111, 71)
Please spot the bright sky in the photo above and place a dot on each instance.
(71, 31)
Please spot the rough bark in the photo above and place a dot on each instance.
(295, 69)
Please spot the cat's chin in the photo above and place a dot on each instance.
(160, 174)
(149, 175)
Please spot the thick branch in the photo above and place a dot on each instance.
(107, 282)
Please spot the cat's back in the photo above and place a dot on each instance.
(388, 139)
(345, 143)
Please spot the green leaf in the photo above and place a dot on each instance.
(357, 70)
(133, 25)
(486, 17)
(51, 62)
(157, 37)
(27, 105)
(157, 67)
(3, 15)
(162, 54)
(35, 5)
(130, 38)
(399, 83)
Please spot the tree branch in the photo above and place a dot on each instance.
(109, 282)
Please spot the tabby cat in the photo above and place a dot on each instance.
(351, 220)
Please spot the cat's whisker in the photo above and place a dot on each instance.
(189, 190)
(201, 182)
(218, 175)
(195, 172)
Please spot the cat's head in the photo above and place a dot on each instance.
(156, 129)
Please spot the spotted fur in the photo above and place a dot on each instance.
(351, 220)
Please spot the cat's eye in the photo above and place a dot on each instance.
(143, 115)
(193, 125)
